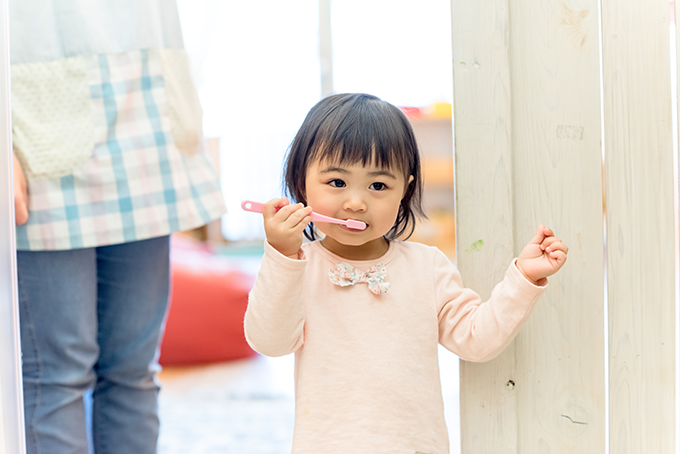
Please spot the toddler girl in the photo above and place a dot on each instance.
(362, 310)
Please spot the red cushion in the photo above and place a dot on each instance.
(208, 300)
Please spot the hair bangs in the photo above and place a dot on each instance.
(366, 134)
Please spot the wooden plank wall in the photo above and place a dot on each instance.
(484, 206)
(527, 143)
(558, 167)
(641, 262)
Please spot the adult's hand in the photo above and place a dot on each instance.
(20, 194)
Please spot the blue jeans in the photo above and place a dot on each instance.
(91, 319)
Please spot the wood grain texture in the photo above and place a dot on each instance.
(640, 222)
(527, 129)
(558, 182)
(484, 206)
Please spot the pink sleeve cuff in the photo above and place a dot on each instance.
(517, 268)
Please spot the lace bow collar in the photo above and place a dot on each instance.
(345, 275)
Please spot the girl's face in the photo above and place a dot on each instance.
(366, 193)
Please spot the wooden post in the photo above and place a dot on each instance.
(484, 206)
(527, 127)
(640, 225)
(12, 438)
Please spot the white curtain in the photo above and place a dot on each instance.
(398, 50)
(257, 67)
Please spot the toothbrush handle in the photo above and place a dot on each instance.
(255, 207)
(316, 217)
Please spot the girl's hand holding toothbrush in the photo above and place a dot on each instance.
(284, 231)
(284, 224)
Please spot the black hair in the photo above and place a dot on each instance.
(353, 128)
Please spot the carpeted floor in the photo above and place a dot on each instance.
(243, 406)
(226, 425)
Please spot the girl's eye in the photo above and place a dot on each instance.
(378, 186)
(337, 183)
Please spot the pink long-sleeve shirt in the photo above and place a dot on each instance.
(366, 366)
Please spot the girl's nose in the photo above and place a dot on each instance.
(355, 203)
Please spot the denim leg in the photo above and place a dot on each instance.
(133, 295)
(58, 322)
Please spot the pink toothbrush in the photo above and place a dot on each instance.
(256, 207)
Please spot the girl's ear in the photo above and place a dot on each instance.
(410, 180)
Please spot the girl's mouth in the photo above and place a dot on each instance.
(353, 230)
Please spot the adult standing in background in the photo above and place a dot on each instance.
(108, 146)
